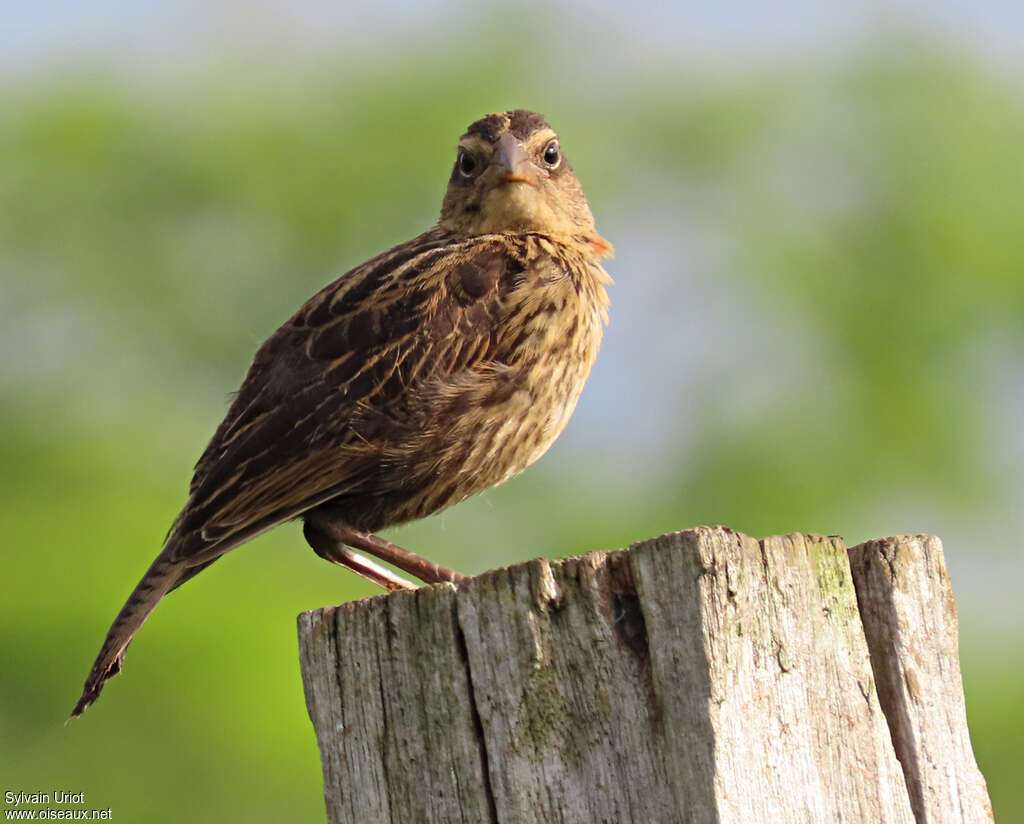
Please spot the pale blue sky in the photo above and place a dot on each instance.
(34, 35)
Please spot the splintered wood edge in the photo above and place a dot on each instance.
(544, 567)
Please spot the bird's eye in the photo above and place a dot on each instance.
(467, 163)
(552, 155)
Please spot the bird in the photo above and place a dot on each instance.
(435, 370)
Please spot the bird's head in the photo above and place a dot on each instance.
(511, 175)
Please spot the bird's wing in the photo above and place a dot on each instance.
(303, 427)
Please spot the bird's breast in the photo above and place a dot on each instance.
(551, 337)
(485, 424)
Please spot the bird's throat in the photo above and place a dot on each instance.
(517, 207)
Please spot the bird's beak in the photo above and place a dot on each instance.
(513, 164)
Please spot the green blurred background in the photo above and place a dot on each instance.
(818, 325)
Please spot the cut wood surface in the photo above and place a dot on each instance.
(703, 676)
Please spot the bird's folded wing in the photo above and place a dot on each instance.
(328, 389)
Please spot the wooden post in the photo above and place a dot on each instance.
(702, 676)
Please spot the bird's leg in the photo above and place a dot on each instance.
(406, 561)
(333, 550)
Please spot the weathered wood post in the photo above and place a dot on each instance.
(702, 676)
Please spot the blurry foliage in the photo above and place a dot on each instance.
(874, 216)
(148, 242)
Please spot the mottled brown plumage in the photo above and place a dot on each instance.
(429, 373)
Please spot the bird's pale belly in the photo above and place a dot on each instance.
(496, 434)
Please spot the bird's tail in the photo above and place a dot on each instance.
(163, 576)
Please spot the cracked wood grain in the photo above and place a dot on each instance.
(910, 621)
(702, 676)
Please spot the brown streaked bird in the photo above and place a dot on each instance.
(439, 368)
